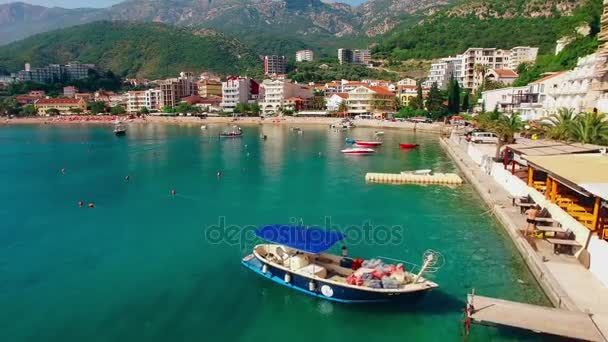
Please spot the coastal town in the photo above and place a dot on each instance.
(489, 165)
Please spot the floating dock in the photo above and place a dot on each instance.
(435, 179)
(539, 319)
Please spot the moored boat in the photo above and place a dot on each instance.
(358, 150)
(362, 143)
(296, 257)
(408, 146)
(120, 130)
(236, 132)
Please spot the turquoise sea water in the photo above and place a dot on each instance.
(145, 265)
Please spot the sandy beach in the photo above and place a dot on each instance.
(438, 128)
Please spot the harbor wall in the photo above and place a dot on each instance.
(498, 200)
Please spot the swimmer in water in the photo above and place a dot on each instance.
(173, 192)
(63, 171)
(127, 178)
(80, 204)
(219, 174)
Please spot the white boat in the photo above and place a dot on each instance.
(358, 150)
(423, 172)
(203, 127)
(379, 132)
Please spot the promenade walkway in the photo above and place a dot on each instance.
(566, 282)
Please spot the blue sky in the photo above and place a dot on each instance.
(105, 3)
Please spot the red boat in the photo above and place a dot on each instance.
(358, 150)
(362, 143)
(408, 146)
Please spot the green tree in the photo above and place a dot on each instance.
(29, 110)
(590, 128)
(52, 111)
(118, 110)
(9, 106)
(255, 108)
(453, 96)
(434, 103)
(75, 110)
(505, 127)
(144, 111)
(241, 108)
(466, 98)
(418, 101)
(343, 108)
(397, 105)
(558, 126)
(98, 107)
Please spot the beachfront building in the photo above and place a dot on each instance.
(442, 71)
(208, 88)
(370, 100)
(304, 56)
(136, 100)
(174, 89)
(521, 54)
(152, 99)
(276, 93)
(575, 89)
(348, 56)
(407, 93)
(52, 72)
(63, 105)
(275, 65)
(237, 90)
(475, 59)
(333, 101)
(407, 82)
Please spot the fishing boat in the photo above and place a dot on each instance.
(362, 143)
(296, 257)
(358, 150)
(408, 146)
(120, 129)
(236, 132)
(423, 172)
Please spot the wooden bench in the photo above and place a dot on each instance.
(563, 246)
(523, 205)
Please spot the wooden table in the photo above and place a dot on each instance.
(562, 245)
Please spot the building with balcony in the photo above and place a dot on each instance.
(275, 65)
(504, 76)
(55, 72)
(520, 55)
(305, 56)
(174, 89)
(348, 56)
(208, 88)
(370, 100)
(276, 93)
(442, 71)
(576, 90)
(237, 90)
(63, 105)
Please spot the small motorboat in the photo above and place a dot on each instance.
(408, 146)
(424, 172)
(358, 150)
(297, 258)
(236, 132)
(120, 130)
(362, 143)
(203, 127)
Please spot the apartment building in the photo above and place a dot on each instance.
(304, 56)
(152, 99)
(172, 90)
(137, 100)
(520, 55)
(442, 71)
(237, 90)
(52, 72)
(576, 89)
(406, 93)
(368, 99)
(63, 105)
(491, 58)
(333, 101)
(69, 91)
(505, 76)
(208, 88)
(277, 92)
(348, 56)
(275, 65)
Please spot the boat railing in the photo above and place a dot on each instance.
(432, 261)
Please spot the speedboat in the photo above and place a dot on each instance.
(408, 146)
(424, 172)
(358, 150)
(296, 257)
(120, 130)
(362, 143)
(236, 132)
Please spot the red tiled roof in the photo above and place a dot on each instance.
(505, 73)
(58, 101)
(356, 84)
(381, 90)
(548, 77)
(342, 95)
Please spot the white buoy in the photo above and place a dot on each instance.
(287, 278)
(265, 269)
(311, 286)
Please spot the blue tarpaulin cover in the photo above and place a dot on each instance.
(308, 239)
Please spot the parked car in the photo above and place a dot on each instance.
(484, 137)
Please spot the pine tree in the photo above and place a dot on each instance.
(418, 101)
(466, 106)
(434, 102)
(453, 96)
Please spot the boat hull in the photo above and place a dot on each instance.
(408, 146)
(230, 135)
(368, 143)
(120, 133)
(358, 151)
(326, 290)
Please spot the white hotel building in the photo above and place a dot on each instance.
(305, 56)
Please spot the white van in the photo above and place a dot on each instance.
(484, 137)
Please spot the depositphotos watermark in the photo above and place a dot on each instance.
(366, 233)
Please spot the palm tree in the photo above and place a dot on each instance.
(590, 128)
(343, 108)
(559, 125)
(505, 128)
(483, 70)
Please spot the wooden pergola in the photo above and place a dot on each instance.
(585, 175)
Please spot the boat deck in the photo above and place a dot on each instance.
(571, 324)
